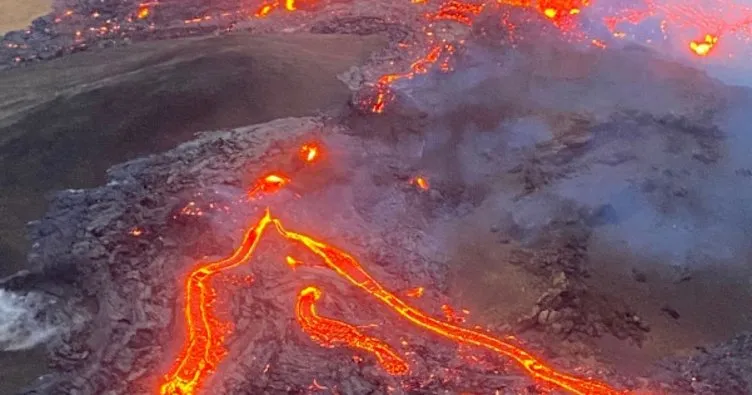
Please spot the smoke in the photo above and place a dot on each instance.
(673, 24)
(26, 320)
(656, 153)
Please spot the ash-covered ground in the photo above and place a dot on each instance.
(594, 204)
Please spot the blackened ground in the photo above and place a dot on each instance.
(63, 123)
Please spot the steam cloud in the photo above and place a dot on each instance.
(663, 202)
(25, 321)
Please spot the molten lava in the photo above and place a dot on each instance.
(420, 66)
(457, 11)
(143, 12)
(309, 152)
(204, 347)
(420, 182)
(292, 262)
(350, 269)
(267, 7)
(558, 8)
(703, 48)
(269, 184)
(416, 292)
(330, 333)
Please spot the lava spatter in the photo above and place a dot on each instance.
(268, 184)
(349, 268)
(205, 333)
(703, 47)
(330, 333)
(268, 6)
(310, 152)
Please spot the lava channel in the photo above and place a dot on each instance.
(204, 347)
(349, 268)
(331, 333)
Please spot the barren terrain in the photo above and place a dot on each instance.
(586, 205)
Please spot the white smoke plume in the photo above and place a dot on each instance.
(25, 320)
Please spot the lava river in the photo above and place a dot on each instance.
(204, 347)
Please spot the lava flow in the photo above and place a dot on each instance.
(702, 48)
(420, 66)
(268, 184)
(329, 333)
(349, 268)
(204, 345)
(268, 6)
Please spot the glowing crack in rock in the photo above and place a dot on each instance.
(204, 346)
(330, 333)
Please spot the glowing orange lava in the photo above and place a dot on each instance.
(268, 184)
(143, 12)
(457, 11)
(718, 16)
(309, 152)
(136, 232)
(349, 268)
(420, 182)
(416, 292)
(205, 333)
(330, 333)
(559, 8)
(292, 262)
(703, 48)
(420, 66)
(267, 7)
(204, 348)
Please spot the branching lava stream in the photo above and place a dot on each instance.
(349, 268)
(329, 333)
(204, 347)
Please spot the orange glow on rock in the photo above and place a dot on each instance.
(136, 232)
(269, 184)
(266, 9)
(457, 11)
(416, 292)
(350, 269)
(703, 48)
(420, 66)
(420, 182)
(292, 262)
(309, 152)
(330, 333)
(204, 346)
(270, 5)
(143, 12)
